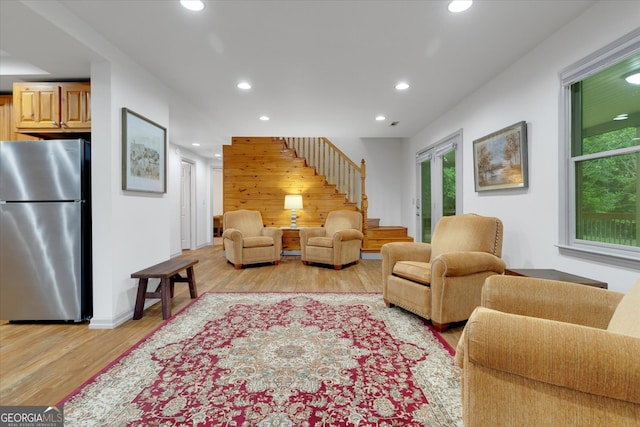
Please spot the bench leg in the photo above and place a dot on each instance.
(165, 291)
(175, 278)
(140, 297)
(191, 278)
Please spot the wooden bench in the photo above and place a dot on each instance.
(169, 273)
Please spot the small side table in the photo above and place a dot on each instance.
(290, 241)
(217, 226)
(544, 273)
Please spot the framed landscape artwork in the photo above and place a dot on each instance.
(500, 159)
(144, 154)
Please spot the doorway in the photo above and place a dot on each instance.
(186, 205)
(217, 200)
(439, 184)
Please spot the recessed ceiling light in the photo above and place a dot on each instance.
(244, 85)
(195, 5)
(624, 116)
(217, 155)
(457, 6)
(634, 78)
(264, 118)
(196, 144)
(402, 86)
(380, 118)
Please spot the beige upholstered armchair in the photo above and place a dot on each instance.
(442, 281)
(337, 243)
(549, 353)
(248, 241)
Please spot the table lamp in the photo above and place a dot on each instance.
(293, 202)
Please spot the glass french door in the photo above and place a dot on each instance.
(439, 184)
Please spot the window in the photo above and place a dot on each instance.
(602, 126)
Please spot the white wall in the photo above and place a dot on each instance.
(217, 190)
(382, 157)
(530, 91)
(129, 228)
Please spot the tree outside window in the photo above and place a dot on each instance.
(605, 155)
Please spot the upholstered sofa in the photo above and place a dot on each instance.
(337, 243)
(247, 241)
(547, 353)
(442, 281)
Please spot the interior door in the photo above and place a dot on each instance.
(185, 205)
(439, 184)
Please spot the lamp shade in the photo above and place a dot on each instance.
(293, 201)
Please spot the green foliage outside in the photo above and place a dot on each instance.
(449, 184)
(610, 184)
(607, 190)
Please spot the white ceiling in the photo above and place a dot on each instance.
(318, 68)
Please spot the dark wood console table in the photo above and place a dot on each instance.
(544, 273)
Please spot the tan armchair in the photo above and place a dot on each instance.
(247, 241)
(337, 243)
(442, 281)
(548, 353)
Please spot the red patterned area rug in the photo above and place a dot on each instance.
(278, 359)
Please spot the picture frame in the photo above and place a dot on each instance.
(500, 159)
(144, 154)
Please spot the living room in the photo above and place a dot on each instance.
(118, 81)
(126, 237)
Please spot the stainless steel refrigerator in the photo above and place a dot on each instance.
(45, 230)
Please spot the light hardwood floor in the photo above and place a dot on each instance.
(41, 364)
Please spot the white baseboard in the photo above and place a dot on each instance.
(97, 323)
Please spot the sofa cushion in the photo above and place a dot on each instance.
(626, 318)
(323, 242)
(257, 241)
(413, 270)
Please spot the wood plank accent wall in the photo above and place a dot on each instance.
(259, 171)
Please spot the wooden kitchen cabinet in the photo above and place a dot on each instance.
(52, 107)
(76, 106)
(7, 129)
(6, 118)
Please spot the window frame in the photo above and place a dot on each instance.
(600, 60)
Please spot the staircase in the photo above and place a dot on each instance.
(259, 171)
